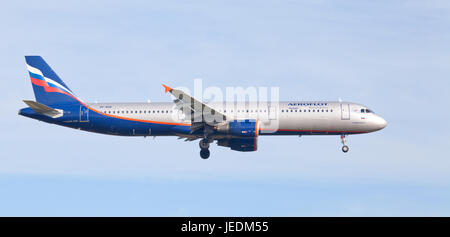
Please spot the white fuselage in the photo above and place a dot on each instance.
(307, 118)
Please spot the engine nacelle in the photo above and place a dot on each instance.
(240, 144)
(239, 128)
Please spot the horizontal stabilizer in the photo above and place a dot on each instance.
(44, 109)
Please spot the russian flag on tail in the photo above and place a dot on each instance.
(48, 88)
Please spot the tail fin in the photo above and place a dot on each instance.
(48, 87)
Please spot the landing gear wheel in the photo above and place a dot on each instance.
(204, 144)
(345, 149)
(204, 153)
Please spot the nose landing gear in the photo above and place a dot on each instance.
(204, 148)
(344, 147)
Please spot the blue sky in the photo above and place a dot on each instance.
(392, 56)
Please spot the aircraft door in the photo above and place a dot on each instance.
(272, 112)
(345, 111)
(84, 114)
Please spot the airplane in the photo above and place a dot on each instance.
(233, 125)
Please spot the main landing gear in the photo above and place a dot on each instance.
(204, 148)
(344, 147)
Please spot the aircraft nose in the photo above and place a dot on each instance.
(380, 123)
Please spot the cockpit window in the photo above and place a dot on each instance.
(366, 111)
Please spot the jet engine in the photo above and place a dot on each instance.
(239, 128)
(242, 134)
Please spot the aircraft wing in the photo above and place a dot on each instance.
(198, 112)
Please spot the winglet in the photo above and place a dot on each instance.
(166, 88)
